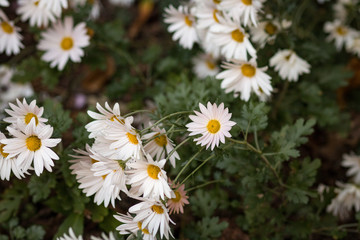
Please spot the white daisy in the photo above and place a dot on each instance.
(104, 237)
(160, 145)
(243, 10)
(352, 161)
(99, 124)
(129, 226)
(63, 42)
(213, 123)
(245, 77)
(25, 113)
(91, 184)
(4, 3)
(338, 32)
(148, 178)
(353, 46)
(10, 38)
(182, 23)
(207, 14)
(207, 43)
(233, 41)
(205, 65)
(32, 144)
(265, 32)
(153, 216)
(289, 65)
(8, 165)
(55, 6)
(31, 10)
(71, 236)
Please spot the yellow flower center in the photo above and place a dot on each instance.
(210, 65)
(132, 138)
(177, 197)
(2, 151)
(270, 28)
(153, 171)
(341, 31)
(7, 28)
(93, 161)
(36, 3)
(247, 70)
(247, 2)
(143, 230)
(158, 209)
(237, 35)
(29, 116)
(188, 21)
(217, 1)
(214, 15)
(161, 140)
(213, 126)
(33, 143)
(67, 43)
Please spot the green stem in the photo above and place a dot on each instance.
(196, 169)
(187, 164)
(203, 185)
(176, 148)
(137, 111)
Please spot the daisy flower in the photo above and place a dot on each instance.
(153, 216)
(213, 123)
(182, 23)
(207, 14)
(205, 65)
(148, 178)
(245, 77)
(233, 41)
(352, 161)
(95, 127)
(32, 143)
(265, 32)
(4, 3)
(339, 33)
(289, 65)
(71, 236)
(10, 38)
(25, 113)
(31, 10)
(243, 10)
(160, 145)
(8, 165)
(63, 42)
(177, 203)
(129, 226)
(55, 6)
(104, 237)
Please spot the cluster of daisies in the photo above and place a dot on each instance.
(222, 29)
(339, 31)
(62, 41)
(27, 143)
(125, 159)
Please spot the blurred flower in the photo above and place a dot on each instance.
(38, 15)
(207, 14)
(10, 38)
(352, 161)
(54, 5)
(265, 32)
(125, 3)
(160, 145)
(341, 34)
(182, 23)
(177, 203)
(205, 65)
(4, 3)
(129, 226)
(213, 123)
(64, 41)
(71, 236)
(289, 65)
(104, 237)
(245, 77)
(243, 10)
(354, 45)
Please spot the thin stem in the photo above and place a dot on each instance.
(187, 164)
(203, 185)
(256, 140)
(176, 148)
(137, 111)
(196, 169)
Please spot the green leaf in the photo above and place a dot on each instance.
(253, 117)
(59, 119)
(75, 221)
(98, 212)
(11, 200)
(19, 232)
(211, 227)
(40, 187)
(35, 232)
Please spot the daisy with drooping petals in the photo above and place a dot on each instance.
(153, 216)
(338, 32)
(242, 10)
(63, 42)
(289, 65)
(213, 123)
(177, 203)
(244, 77)
(182, 23)
(4, 3)
(10, 38)
(148, 178)
(71, 236)
(25, 113)
(352, 161)
(55, 6)
(32, 144)
(129, 226)
(31, 10)
(160, 145)
(205, 65)
(8, 165)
